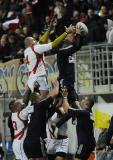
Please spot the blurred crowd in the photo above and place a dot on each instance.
(22, 18)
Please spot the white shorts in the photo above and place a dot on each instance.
(18, 150)
(42, 81)
(57, 145)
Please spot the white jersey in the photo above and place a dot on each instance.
(19, 121)
(31, 58)
(55, 144)
(62, 131)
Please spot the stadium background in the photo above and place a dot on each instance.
(94, 62)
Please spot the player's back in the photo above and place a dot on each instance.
(31, 61)
(85, 129)
(37, 122)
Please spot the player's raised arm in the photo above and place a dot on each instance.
(63, 36)
(44, 38)
(46, 47)
(54, 92)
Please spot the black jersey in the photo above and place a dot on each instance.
(85, 129)
(66, 66)
(66, 62)
(37, 119)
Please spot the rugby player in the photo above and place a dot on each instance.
(66, 61)
(34, 57)
(19, 120)
(85, 130)
(57, 145)
(34, 144)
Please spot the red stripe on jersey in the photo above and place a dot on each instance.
(23, 120)
(27, 60)
(20, 134)
(39, 58)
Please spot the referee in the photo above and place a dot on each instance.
(85, 134)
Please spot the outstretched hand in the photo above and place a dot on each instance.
(69, 29)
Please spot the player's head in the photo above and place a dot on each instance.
(29, 41)
(35, 97)
(18, 106)
(11, 105)
(87, 102)
(71, 36)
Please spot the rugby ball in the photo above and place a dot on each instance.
(82, 27)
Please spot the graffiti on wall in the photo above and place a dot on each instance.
(13, 76)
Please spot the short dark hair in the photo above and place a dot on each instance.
(11, 103)
(33, 97)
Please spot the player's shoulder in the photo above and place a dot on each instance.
(27, 50)
(14, 116)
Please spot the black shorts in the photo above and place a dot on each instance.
(34, 148)
(83, 151)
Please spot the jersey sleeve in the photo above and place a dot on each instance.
(24, 113)
(71, 114)
(65, 118)
(78, 112)
(69, 50)
(42, 48)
